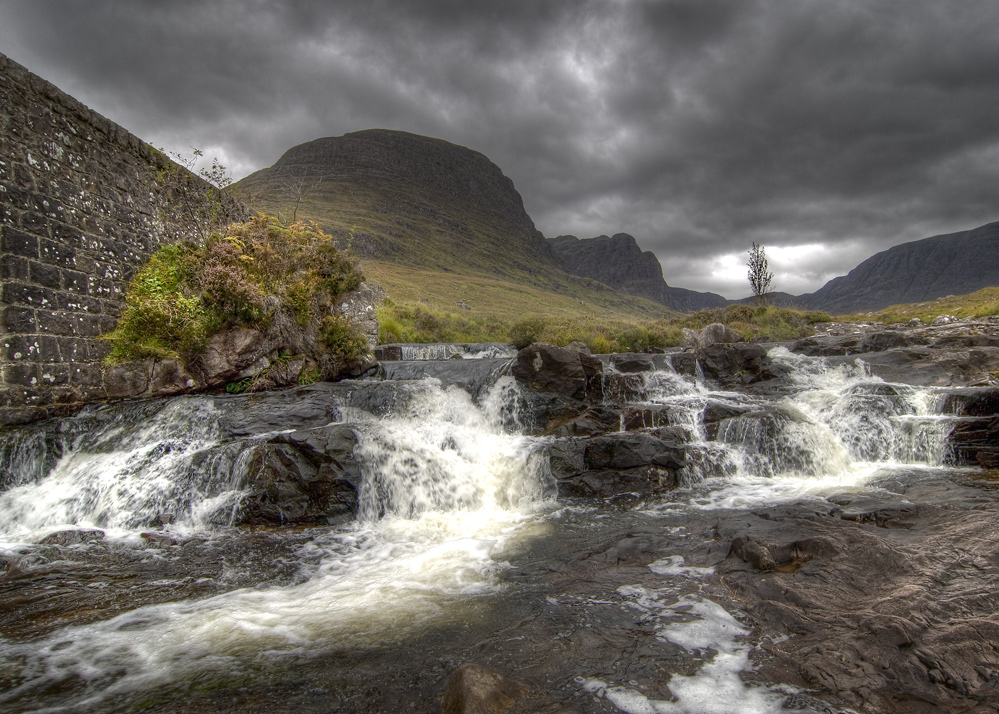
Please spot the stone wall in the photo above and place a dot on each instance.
(83, 204)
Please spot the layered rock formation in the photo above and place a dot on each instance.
(619, 262)
(953, 264)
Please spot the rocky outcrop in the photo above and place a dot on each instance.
(619, 262)
(952, 264)
(952, 353)
(307, 477)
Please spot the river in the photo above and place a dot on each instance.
(461, 551)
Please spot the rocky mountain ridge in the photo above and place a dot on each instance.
(619, 262)
(951, 264)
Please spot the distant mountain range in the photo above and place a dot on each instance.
(418, 210)
(927, 269)
(617, 261)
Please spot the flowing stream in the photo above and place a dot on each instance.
(459, 536)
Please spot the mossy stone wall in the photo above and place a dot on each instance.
(83, 204)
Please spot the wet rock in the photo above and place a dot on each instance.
(303, 477)
(615, 464)
(161, 520)
(473, 689)
(756, 554)
(158, 540)
(633, 362)
(931, 367)
(650, 416)
(73, 537)
(608, 483)
(736, 364)
(595, 420)
(716, 411)
(627, 451)
(229, 354)
(559, 370)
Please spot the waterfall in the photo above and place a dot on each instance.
(447, 484)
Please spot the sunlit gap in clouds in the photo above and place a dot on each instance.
(797, 269)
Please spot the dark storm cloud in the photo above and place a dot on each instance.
(825, 130)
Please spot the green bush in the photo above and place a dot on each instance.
(244, 275)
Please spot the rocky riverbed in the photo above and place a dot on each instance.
(733, 527)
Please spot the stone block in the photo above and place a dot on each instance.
(17, 196)
(76, 282)
(53, 374)
(30, 348)
(24, 375)
(56, 253)
(55, 322)
(34, 223)
(19, 320)
(18, 242)
(14, 267)
(30, 295)
(46, 275)
(88, 325)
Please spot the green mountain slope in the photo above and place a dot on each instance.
(431, 221)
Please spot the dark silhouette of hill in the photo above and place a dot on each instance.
(927, 269)
(619, 262)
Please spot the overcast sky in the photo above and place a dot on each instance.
(826, 131)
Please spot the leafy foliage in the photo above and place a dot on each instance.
(249, 274)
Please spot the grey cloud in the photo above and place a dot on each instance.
(697, 126)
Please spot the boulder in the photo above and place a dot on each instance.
(632, 362)
(559, 370)
(473, 689)
(713, 334)
(303, 477)
(612, 464)
(736, 364)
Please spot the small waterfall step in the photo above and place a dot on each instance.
(426, 351)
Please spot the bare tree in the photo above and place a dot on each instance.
(760, 278)
(300, 188)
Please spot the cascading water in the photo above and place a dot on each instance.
(445, 486)
(449, 483)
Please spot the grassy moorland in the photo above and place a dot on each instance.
(420, 323)
(981, 303)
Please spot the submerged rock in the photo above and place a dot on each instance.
(473, 689)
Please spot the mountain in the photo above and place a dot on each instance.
(619, 262)
(952, 264)
(419, 212)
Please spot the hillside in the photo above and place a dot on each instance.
(927, 269)
(619, 262)
(430, 221)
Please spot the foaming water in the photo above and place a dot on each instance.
(445, 487)
(119, 475)
(705, 629)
